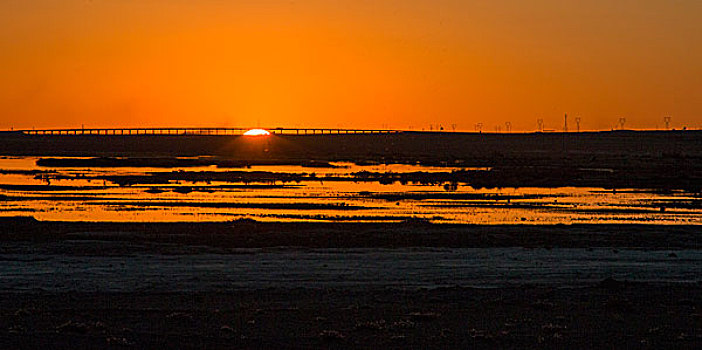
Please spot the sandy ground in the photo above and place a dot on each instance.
(155, 269)
(252, 285)
(609, 315)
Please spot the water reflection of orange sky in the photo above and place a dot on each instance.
(104, 201)
(362, 64)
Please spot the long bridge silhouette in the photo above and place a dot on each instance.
(200, 131)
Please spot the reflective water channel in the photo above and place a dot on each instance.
(88, 194)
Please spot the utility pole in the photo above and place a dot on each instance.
(577, 123)
(565, 123)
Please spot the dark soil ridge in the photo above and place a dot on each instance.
(246, 233)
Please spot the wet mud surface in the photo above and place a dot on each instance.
(601, 248)
(244, 284)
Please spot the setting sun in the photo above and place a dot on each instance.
(462, 173)
(257, 132)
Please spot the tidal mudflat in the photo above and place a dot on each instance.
(443, 248)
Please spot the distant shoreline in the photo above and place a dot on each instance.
(409, 145)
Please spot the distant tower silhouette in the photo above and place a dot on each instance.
(565, 123)
(540, 124)
(667, 119)
(577, 123)
(622, 121)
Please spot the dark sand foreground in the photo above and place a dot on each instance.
(245, 284)
(609, 315)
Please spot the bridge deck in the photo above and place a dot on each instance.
(200, 131)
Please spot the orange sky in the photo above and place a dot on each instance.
(349, 63)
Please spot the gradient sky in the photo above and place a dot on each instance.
(350, 63)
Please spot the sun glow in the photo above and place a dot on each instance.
(257, 132)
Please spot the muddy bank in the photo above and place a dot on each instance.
(412, 233)
(164, 162)
(685, 178)
(109, 266)
(278, 206)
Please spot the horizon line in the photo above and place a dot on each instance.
(233, 131)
